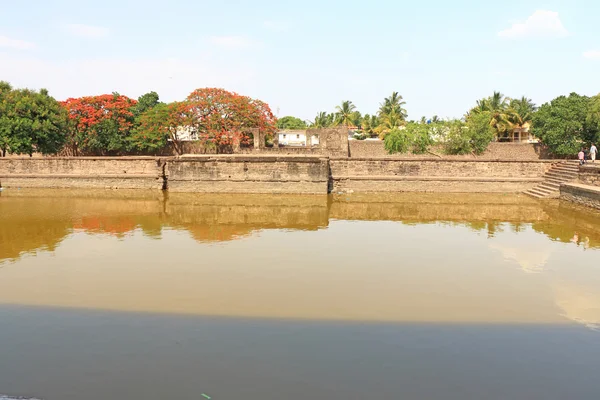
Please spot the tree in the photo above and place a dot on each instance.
(99, 124)
(520, 112)
(146, 102)
(564, 124)
(5, 89)
(413, 137)
(593, 117)
(159, 125)
(30, 121)
(290, 122)
(369, 124)
(345, 113)
(393, 105)
(389, 122)
(220, 117)
(397, 141)
(497, 105)
(320, 120)
(480, 132)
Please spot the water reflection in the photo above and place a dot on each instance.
(34, 220)
(410, 257)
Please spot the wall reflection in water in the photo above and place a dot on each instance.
(33, 220)
(402, 257)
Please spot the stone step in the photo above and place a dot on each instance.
(566, 169)
(543, 190)
(561, 175)
(535, 193)
(555, 180)
(551, 185)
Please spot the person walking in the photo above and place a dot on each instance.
(581, 157)
(593, 151)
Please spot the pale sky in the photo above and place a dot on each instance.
(307, 56)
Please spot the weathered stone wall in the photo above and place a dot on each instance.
(332, 141)
(83, 172)
(426, 175)
(495, 151)
(248, 174)
(273, 174)
(589, 174)
(581, 194)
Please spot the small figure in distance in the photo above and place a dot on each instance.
(581, 157)
(593, 152)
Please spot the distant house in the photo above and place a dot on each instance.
(519, 135)
(295, 138)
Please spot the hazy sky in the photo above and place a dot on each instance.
(306, 56)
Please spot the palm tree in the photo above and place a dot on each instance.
(497, 105)
(320, 120)
(370, 124)
(345, 113)
(388, 122)
(520, 112)
(395, 104)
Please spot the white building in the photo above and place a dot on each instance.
(295, 138)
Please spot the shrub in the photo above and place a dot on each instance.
(397, 141)
(480, 132)
(457, 140)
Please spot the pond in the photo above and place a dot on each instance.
(150, 295)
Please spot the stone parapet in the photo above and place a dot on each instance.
(586, 195)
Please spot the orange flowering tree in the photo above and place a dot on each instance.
(222, 118)
(99, 124)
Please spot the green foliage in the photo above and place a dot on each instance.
(566, 123)
(480, 132)
(414, 137)
(393, 104)
(30, 121)
(151, 133)
(397, 141)
(146, 102)
(345, 114)
(593, 118)
(290, 122)
(369, 124)
(456, 139)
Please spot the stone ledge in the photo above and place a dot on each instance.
(249, 158)
(453, 160)
(436, 178)
(249, 180)
(582, 194)
(80, 176)
(106, 158)
(595, 167)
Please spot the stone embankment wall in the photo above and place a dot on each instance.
(427, 175)
(248, 174)
(83, 172)
(587, 190)
(274, 174)
(495, 151)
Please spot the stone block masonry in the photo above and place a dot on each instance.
(586, 191)
(273, 174)
(83, 172)
(426, 175)
(589, 174)
(248, 174)
(585, 195)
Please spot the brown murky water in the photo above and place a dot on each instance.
(140, 295)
